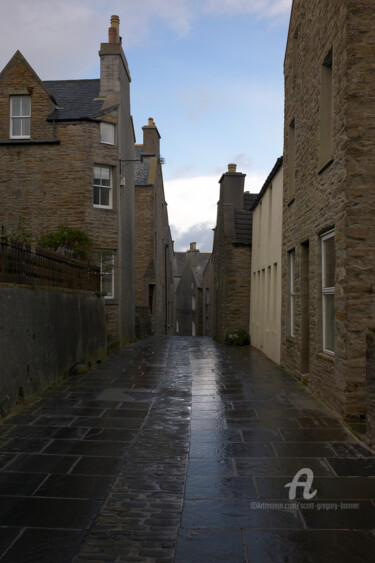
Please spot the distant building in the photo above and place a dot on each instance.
(231, 256)
(207, 281)
(265, 308)
(63, 149)
(189, 270)
(154, 280)
(328, 306)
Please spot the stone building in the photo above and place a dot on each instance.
(63, 149)
(207, 281)
(231, 256)
(329, 199)
(189, 270)
(154, 280)
(265, 306)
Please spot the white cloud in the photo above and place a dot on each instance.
(192, 204)
(61, 39)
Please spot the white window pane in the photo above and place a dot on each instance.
(105, 176)
(107, 133)
(96, 175)
(16, 106)
(329, 321)
(26, 126)
(16, 127)
(25, 106)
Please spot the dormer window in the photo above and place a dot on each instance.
(20, 117)
(107, 133)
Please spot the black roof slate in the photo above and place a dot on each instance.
(142, 168)
(243, 220)
(76, 99)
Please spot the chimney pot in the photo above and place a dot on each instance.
(193, 246)
(114, 30)
(151, 122)
(232, 167)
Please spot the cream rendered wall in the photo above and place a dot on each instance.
(265, 306)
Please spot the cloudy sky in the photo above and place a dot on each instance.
(210, 73)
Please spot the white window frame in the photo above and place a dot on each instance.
(101, 187)
(100, 253)
(292, 295)
(107, 133)
(326, 291)
(22, 117)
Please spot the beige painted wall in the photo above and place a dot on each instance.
(265, 306)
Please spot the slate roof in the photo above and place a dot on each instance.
(243, 220)
(179, 263)
(76, 99)
(203, 258)
(141, 169)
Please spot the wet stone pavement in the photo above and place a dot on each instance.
(179, 449)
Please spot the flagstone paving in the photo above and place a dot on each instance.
(180, 449)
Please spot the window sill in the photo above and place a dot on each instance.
(103, 207)
(328, 357)
(323, 165)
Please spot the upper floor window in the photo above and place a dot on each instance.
(20, 117)
(328, 291)
(102, 194)
(326, 112)
(291, 159)
(107, 133)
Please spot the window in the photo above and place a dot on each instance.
(20, 117)
(207, 295)
(291, 159)
(193, 302)
(102, 195)
(328, 291)
(106, 260)
(326, 108)
(107, 133)
(193, 328)
(292, 304)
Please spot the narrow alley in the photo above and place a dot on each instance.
(180, 449)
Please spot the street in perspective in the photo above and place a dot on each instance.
(187, 279)
(182, 449)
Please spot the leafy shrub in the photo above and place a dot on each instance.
(239, 338)
(75, 240)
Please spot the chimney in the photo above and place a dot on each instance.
(151, 138)
(114, 70)
(232, 187)
(192, 254)
(114, 30)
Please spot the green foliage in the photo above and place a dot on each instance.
(20, 234)
(75, 240)
(239, 338)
